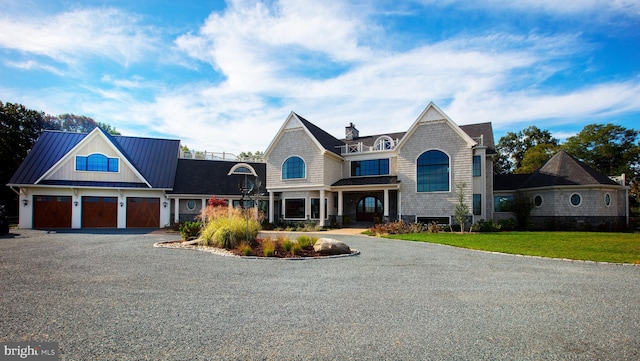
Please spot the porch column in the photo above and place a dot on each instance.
(399, 205)
(271, 207)
(204, 204)
(340, 201)
(176, 210)
(322, 210)
(385, 205)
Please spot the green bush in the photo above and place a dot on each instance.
(229, 232)
(296, 249)
(306, 241)
(507, 224)
(190, 230)
(245, 249)
(286, 245)
(486, 226)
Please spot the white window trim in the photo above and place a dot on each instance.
(571, 203)
(293, 179)
(541, 200)
(415, 172)
(610, 200)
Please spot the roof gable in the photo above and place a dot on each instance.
(154, 161)
(323, 140)
(433, 114)
(563, 169)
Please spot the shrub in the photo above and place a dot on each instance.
(295, 248)
(268, 247)
(245, 249)
(507, 224)
(306, 241)
(286, 244)
(397, 227)
(228, 230)
(486, 226)
(433, 227)
(190, 230)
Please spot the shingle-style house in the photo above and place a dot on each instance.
(312, 175)
(74, 180)
(567, 194)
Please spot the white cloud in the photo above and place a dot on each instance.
(101, 32)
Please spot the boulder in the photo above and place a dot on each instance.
(331, 246)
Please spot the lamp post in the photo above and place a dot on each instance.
(246, 188)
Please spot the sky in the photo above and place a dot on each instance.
(225, 75)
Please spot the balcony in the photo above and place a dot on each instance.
(204, 155)
(381, 144)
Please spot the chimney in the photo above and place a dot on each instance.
(351, 132)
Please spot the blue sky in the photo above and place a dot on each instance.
(224, 75)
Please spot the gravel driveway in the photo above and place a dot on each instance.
(115, 297)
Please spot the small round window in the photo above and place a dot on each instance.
(607, 199)
(537, 200)
(191, 204)
(575, 199)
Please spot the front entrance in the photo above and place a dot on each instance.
(143, 212)
(368, 208)
(99, 212)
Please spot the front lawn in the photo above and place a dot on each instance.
(599, 247)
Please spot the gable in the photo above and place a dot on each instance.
(93, 144)
(433, 115)
(153, 162)
(323, 141)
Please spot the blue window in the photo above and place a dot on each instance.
(477, 166)
(293, 168)
(433, 172)
(477, 204)
(97, 163)
(361, 168)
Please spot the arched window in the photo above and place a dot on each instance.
(293, 168)
(383, 143)
(97, 162)
(433, 172)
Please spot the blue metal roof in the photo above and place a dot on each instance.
(155, 159)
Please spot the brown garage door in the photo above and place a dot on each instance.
(51, 211)
(143, 212)
(99, 212)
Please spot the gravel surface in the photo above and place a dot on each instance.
(114, 296)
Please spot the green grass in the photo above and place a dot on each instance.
(596, 246)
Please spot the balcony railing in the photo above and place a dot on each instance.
(192, 154)
(361, 148)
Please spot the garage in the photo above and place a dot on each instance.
(99, 212)
(51, 211)
(143, 212)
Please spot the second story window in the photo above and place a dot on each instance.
(360, 168)
(97, 163)
(293, 168)
(477, 166)
(433, 172)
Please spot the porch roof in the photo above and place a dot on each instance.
(367, 181)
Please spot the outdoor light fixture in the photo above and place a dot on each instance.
(121, 204)
(75, 203)
(164, 204)
(25, 202)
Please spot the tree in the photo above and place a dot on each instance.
(512, 146)
(251, 157)
(535, 157)
(82, 124)
(461, 209)
(610, 149)
(19, 129)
